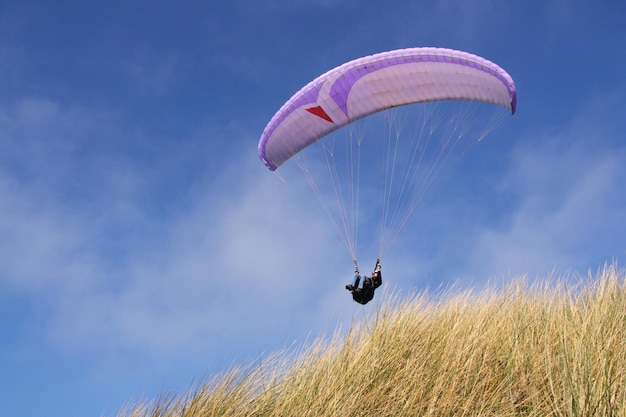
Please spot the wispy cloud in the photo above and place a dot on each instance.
(233, 261)
(570, 206)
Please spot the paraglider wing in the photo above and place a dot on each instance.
(378, 82)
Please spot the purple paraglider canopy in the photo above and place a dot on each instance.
(378, 82)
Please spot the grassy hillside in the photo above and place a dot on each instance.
(549, 349)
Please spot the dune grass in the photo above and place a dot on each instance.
(549, 349)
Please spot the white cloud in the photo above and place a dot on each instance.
(241, 264)
(570, 211)
(233, 267)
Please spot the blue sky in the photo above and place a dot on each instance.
(143, 245)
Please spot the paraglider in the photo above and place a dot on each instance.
(365, 293)
(455, 99)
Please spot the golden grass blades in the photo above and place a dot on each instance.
(553, 348)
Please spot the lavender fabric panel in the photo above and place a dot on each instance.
(364, 66)
(291, 129)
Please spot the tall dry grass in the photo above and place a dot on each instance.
(550, 349)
